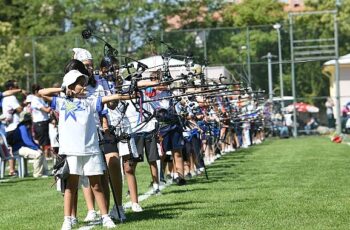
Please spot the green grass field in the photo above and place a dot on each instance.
(282, 184)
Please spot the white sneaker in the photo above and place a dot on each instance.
(74, 221)
(67, 224)
(156, 190)
(91, 216)
(108, 222)
(135, 207)
(114, 214)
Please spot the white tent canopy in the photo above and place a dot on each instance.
(177, 67)
(342, 60)
(154, 63)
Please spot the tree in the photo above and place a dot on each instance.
(262, 39)
(9, 52)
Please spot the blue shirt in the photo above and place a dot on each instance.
(23, 138)
(1, 99)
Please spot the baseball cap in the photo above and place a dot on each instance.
(29, 98)
(81, 54)
(71, 77)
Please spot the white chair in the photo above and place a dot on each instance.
(5, 155)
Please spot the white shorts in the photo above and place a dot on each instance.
(124, 149)
(86, 165)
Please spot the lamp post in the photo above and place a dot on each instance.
(277, 27)
(269, 57)
(27, 56)
(242, 49)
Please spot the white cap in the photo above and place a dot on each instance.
(72, 77)
(29, 98)
(81, 54)
(2, 117)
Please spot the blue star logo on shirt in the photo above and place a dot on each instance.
(70, 108)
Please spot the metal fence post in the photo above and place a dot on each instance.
(337, 74)
(295, 133)
(205, 45)
(248, 57)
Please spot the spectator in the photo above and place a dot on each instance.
(310, 125)
(40, 113)
(345, 117)
(330, 117)
(11, 109)
(23, 144)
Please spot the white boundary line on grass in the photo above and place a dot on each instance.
(146, 195)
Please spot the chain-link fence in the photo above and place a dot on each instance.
(242, 51)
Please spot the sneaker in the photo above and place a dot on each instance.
(107, 222)
(135, 207)
(114, 214)
(188, 175)
(169, 177)
(14, 173)
(67, 224)
(180, 181)
(91, 216)
(156, 191)
(74, 221)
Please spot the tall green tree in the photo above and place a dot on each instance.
(250, 38)
(9, 52)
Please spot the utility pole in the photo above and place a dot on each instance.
(337, 74)
(248, 58)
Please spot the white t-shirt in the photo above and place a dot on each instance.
(9, 105)
(288, 120)
(122, 124)
(137, 120)
(77, 127)
(36, 104)
(53, 134)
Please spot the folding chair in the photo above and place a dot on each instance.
(5, 155)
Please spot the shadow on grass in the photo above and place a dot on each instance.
(185, 190)
(14, 181)
(161, 211)
(249, 200)
(234, 159)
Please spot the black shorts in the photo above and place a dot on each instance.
(147, 142)
(192, 146)
(208, 139)
(41, 132)
(168, 158)
(110, 143)
(172, 137)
